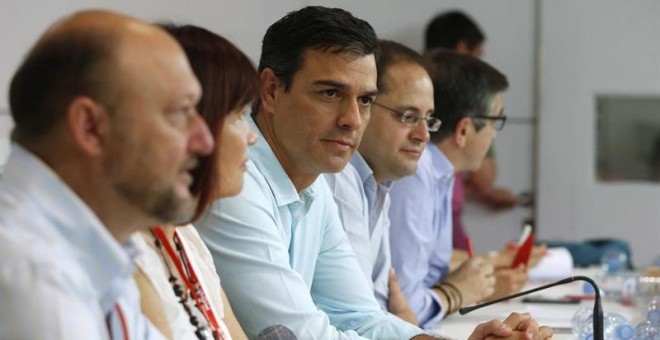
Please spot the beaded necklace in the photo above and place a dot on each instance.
(194, 288)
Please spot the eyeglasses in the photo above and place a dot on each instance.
(412, 119)
(498, 121)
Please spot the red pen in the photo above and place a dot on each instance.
(468, 243)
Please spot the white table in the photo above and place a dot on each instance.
(555, 315)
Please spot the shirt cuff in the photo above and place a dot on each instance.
(429, 318)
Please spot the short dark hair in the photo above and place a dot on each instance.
(391, 53)
(56, 70)
(448, 29)
(463, 86)
(229, 81)
(313, 27)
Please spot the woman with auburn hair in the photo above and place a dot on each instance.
(180, 289)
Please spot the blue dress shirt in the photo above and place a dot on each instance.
(421, 232)
(62, 275)
(284, 258)
(363, 209)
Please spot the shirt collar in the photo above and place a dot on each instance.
(363, 169)
(100, 255)
(366, 173)
(372, 189)
(263, 157)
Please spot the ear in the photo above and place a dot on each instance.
(268, 84)
(88, 123)
(462, 47)
(462, 132)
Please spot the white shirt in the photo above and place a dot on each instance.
(363, 209)
(61, 272)
(152, 265)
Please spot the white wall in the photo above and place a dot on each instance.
(507, 23)
(594, 47)
(243, 22)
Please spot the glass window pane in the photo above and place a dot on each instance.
(628, 138)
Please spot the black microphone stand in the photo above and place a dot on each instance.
(598, 307)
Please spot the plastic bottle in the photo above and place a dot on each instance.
(649, 329)
(612, 278)
(586, 332)
(613, 261)
(578, 320)
(652, 310)
(646, 330)
(615, 327)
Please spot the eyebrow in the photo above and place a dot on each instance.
(412, 108)
(343, 86)
(373, 93)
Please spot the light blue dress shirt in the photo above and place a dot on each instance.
(363, 209)
(421, 232)
(61, 272)
(284, 258)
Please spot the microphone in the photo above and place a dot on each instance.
(598, 307)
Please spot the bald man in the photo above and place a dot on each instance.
(106, 135)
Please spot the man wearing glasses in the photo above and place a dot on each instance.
(468, 100)
(391, 146)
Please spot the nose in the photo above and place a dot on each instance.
(420, 133)
(251, 136)
(351, 117)
(201, 141)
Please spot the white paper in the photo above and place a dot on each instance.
(556, 264)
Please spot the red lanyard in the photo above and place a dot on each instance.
(189, 278)
(122, 322)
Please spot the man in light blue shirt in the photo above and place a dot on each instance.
(105, 137)
(468, 100)
(279, 246)
(392, 143)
